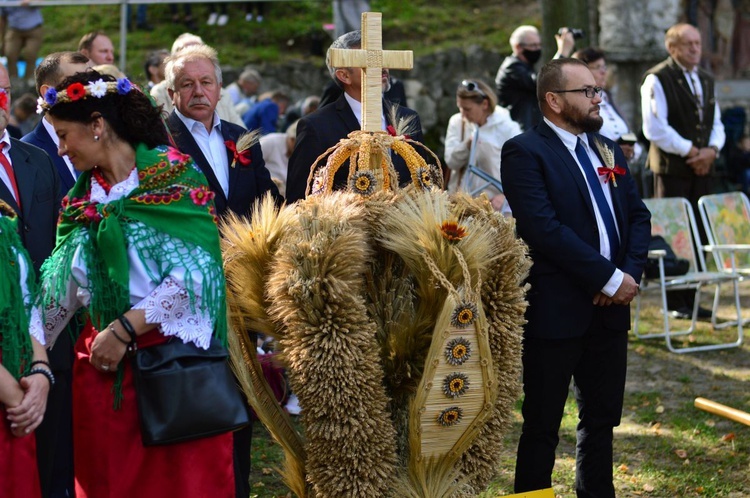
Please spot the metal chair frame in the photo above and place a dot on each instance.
(696, 279)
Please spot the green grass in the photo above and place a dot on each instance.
(423, 26)
(664, 447)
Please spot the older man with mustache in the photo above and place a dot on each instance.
(193, 77)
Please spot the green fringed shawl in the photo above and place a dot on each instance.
(170, 220)
(14, 312)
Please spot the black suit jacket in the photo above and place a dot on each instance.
(555, 216)
(40, 138)
(246, 184)
(39, 188)
(323, 129)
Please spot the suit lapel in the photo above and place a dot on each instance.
(233, 172)
(346, 115)
(7, 196)
(187, 145)
(613, 191)
(67, 180)
(25, 176)
(558, 147)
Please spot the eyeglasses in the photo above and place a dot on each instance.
(472, 86)
(590, 91)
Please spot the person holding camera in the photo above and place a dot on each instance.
(516, 78)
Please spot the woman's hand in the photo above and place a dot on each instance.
(27, 416)
(107, 350)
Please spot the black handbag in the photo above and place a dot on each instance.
(185, 392)
(673, 266)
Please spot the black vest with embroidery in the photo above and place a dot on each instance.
(683, 114)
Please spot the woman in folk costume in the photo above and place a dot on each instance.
(138, 247)
(25, 377)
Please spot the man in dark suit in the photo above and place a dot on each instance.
(31, 186)
(577, 207)
(323, 129)
(51, 72)
(193, 77)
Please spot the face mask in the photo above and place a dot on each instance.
(532, 56)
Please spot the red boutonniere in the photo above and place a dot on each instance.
(240, 156)
(611, 173)
(392, 132)
(610, 169)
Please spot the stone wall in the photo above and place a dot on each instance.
(430, 86)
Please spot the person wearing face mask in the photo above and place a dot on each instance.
(516, 78)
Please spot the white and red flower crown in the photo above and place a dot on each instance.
(78, 91)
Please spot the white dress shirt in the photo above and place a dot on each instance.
(656, 126)
(356, 107)
(212, 146)
(570, 141)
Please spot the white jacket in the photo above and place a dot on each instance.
(492, 135)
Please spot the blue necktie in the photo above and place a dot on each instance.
(601, 201)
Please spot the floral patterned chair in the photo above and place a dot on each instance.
(726, 218)
(673, 219)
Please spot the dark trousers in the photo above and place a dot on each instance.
(242, 440)
(54, 437)
(597, 363)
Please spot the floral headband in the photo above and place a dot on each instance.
(77, 91)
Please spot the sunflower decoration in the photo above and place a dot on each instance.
(424, 177)
(452, 231)
(457, 351)
(455, 385)
(363, 182)
(450, 416)
(370, 151)
(464, 315)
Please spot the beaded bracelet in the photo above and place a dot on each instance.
(40, 362)
(114, 332)
(43, 371)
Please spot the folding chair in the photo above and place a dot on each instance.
(673, 219)
(726, 219)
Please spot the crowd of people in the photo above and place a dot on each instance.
(86, 210)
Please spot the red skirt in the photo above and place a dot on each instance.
(110, 459)
(19, 475)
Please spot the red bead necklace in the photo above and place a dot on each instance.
(97, 173)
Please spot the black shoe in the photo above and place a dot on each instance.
(687, 313)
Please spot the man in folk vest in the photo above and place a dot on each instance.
(682, 120)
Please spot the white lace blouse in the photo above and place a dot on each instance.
(166, 304)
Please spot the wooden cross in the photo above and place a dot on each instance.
(372, 59)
